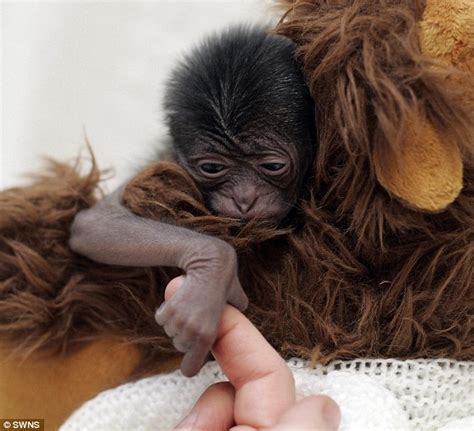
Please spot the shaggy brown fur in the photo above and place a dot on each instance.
(52, 299)
(365, 70)
(356, 275)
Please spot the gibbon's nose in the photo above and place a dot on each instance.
(245, 198)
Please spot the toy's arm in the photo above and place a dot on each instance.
(110, 233)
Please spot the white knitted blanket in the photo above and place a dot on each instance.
(372, 394)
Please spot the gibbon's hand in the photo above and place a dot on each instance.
(260, 394)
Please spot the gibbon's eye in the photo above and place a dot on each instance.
(213, 169)
(273, 168)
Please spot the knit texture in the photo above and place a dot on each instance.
(372, 394)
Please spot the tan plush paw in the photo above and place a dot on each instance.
(427, 172)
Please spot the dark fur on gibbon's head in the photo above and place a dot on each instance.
(241, 94)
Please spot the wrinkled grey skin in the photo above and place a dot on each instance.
(110, 233)
(241, 123)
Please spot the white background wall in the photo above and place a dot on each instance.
(70, 66)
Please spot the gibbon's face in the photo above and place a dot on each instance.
(257, 181)
(242, 123)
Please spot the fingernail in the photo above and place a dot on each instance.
(331, 414)
(188, 423)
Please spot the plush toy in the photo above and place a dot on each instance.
(378, 263)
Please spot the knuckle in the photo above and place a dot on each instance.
(178, 347)
(192, 329)
(206, 336)
(169, 330)
(181, 346)
(198, 332)
(163, 306)
(171, 306)
(222, 251)
(161, 317)
(179, 322)
(172, 309)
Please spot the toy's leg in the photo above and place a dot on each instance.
(52, 388)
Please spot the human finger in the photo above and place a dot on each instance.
(314, 413)
(162, 314)
(213, 411)
(264, 384)
(173, 286)
(245, 428)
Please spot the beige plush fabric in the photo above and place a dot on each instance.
(421, 395)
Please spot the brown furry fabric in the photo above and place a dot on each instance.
(356, 275)
(53, 300)
(311, 295)
(369, 79)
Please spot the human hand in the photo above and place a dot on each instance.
(260, 394)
